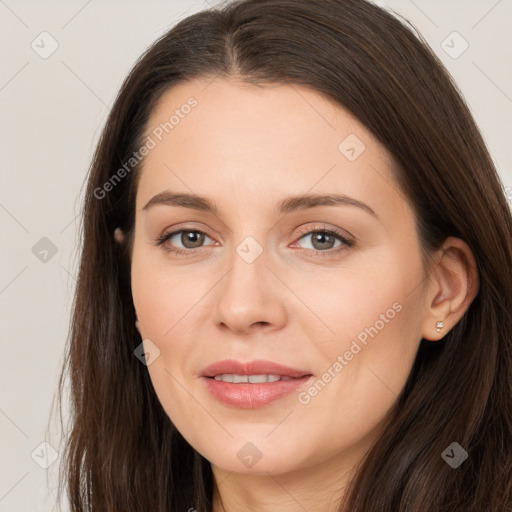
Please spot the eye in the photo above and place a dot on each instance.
(323, 240)
(190, 238)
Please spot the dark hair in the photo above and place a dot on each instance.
(122, 452)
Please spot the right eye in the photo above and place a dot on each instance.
(190, 238)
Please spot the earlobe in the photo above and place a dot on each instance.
(454, 283)
(118, 235)
(137, 323)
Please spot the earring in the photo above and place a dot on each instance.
(439, 326)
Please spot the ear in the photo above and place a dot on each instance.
(118, 235)
(453, 284)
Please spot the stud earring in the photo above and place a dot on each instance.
(439, 326)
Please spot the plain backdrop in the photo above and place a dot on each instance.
(53, 107)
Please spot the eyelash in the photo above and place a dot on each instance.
(160, 241)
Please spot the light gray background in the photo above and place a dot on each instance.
(52, 112)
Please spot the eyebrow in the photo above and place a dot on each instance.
(285, 206)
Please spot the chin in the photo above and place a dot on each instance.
(247, 458)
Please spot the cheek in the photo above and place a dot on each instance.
(165, 308)
(368, 357)
(170, 308)
(163, 295)
(360, 301)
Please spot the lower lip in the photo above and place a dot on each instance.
(252, 396)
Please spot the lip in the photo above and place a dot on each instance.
(256, 367)
(252, 396)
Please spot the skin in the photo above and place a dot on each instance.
(246, 148)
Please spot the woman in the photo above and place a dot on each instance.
(295, 287)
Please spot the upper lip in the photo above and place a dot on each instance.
(256, 367)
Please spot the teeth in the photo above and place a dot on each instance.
(252, 379)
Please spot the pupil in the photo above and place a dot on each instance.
(189, 237)
(319, 236)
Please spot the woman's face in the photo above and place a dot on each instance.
(266, 276)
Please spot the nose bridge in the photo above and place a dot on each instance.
(248, 264)
(247, 295)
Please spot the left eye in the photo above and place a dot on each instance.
(324, 238)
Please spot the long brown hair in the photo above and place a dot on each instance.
(122, 451)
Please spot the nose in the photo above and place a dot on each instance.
(250, 297)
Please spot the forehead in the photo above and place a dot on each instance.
(230, 139)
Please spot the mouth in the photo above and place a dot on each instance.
(256, 370)
(253, 384)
